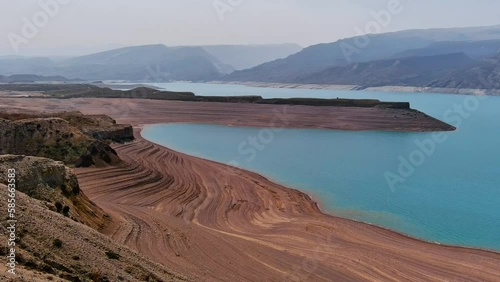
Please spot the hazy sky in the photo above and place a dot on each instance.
(80, 26)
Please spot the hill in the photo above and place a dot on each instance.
(47, 137)
(482, 75)
(343, 52)
(66, 137)
(52, 182)
(145, 63)
(408, 71)
(154, 63)
(474, 49)
(17, 65)
(53, 247)
(148, 63)
(241, 57)
(30, 78)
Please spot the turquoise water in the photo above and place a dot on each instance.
(451, 196)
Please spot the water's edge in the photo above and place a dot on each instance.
(317, 202)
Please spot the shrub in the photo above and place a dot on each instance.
(57, 243)
(31, 264)
(59, 206)
(65, 210)
(112, 255)
(47, 269)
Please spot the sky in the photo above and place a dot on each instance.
(75, 27)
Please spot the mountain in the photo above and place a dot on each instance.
(14, 65)
(156, 63)
(482, 75)
(24, 78)
(410, 71)
(474, 49)
(146, 63)
(352, 50)
(247, 56)
(58, 236)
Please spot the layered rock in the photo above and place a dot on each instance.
(52, 247)
(52, 138)
(70, 137)
(55, 184)
(98, 154)
(99, 127)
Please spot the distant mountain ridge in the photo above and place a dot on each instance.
(482, 75)
(407, 71)
(347, 62)
(248, 56)
(24, 78)
(474, 49)
(153, 63)
(145, 63)
(417, 58)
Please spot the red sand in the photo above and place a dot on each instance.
(214, 223)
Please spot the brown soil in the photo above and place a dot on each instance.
(214, 223)
(81, 255)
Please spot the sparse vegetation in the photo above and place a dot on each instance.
(59, 207)
(65, 250)
(31, 264)
(57, 243)
(65, 211)
(112, 255)
(47, 269)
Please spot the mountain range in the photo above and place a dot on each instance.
(449, 58)
(248, 56)
(156, 63)
(410, 58)
(29, 78)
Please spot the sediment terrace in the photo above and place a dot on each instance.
(211, 222)
(148, 111)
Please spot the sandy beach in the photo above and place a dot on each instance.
(211, 222)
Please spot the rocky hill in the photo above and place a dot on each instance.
(434, 58)
(247, 56)
(70, 137)
(483, 75)
(51, 137)
(410, 71)
(53, 247)
(99, 127)
(54, 184)
(57, 229)
(474, 49)
(30, 78)
(153, 63)
(98, 154)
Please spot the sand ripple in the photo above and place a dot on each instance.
(213, 223)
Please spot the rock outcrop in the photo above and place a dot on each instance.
(55, 184)
(98, 154)
(99, 127)
(70, 137)
(52, 247)
(51, 137)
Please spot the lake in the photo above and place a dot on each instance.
(438, 187)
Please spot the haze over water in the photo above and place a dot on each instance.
(451, 198)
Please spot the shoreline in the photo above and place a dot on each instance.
(389, 89)
(212, 223)
(320, 216)
(313, 200)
